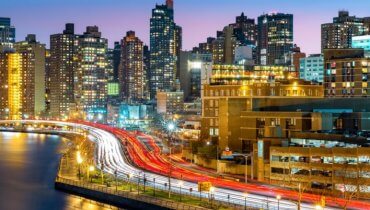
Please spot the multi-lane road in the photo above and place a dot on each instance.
(124, 154)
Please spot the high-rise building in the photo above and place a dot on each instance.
(18, 90)
(275, 37)
(165, 44)
(7, 33)
(245, 30)
(63, 48)
(116, 59)
(33, 73)
(312, 68)
(223, 48)
(339, 33)
(91, 76)
(205, 47)
(47, 82)
(131, 74)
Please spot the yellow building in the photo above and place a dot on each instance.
(15, 95)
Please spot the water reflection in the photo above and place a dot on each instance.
(28, 165)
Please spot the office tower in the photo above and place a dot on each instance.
(312, 68)
(223, 48)
(339, 33)
(165, 41)
(131, 74)
(63, 48)
(275, 37)
(91, 76)
(4, 110)
(7, 33)
(110, 60)
(34, 73)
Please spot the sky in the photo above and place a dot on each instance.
(198, 18)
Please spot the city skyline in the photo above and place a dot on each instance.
(135, 16)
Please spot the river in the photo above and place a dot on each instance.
(28, 165)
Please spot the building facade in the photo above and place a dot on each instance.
(169, 103)
(90, 81)
(362, 42)
(63, 52)
(275, 37)
(165, 42)
(312, 68)
(339, 33)
(131, 74)
(7, 33)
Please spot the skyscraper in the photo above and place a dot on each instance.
(275, 37)
(33, 73)
(62, 68)
(223, 48)
(7, 33)
(91, 77)
(165, 44)
(339, 33)
(245, 30)
(131, 74)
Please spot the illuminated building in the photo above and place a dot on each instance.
(339, 33)
(165, 44)
(362, 42)
(195, 70)
(346, 73)
(63, 49)
(131, 74)
(170, 103)
(4, 109)
(245, 30)
(223, 48)
(91, 76)
(275, 37)
(322, 162)
(34, 74)
(312, 68)
(205, 47)
(7, 33)
(239, 75)
(15, 86)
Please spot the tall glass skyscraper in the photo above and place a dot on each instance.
(7, 33)
(165, 44)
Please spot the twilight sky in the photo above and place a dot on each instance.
(199, 18)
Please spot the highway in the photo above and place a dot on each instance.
(117, 150)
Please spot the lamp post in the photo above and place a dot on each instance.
(91, 170)
(180, 185)
(115, 177)
(79, 162)
(129, 181)
(153, 186)
(170, 127)
(245, 201)
(278, 197)
(211, 191)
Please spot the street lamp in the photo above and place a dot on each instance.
(180, 185)
(278, 197)
(90, 171)
(245, 200)
(318, 207)
(79, 161)
(211, 191)
(129, 181)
